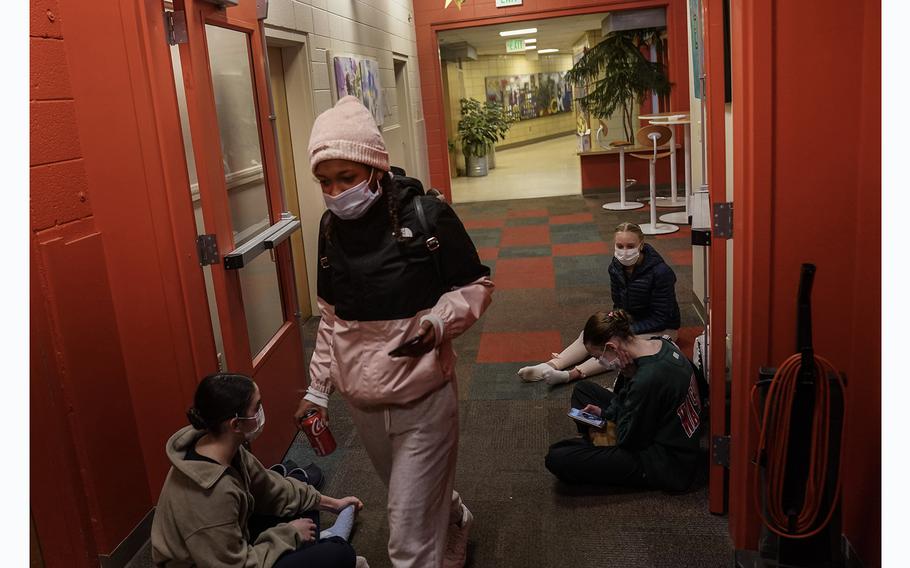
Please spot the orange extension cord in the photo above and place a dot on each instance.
(773, 440)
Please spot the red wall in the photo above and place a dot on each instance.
(803, 205)
(114, 354)
(430, 18)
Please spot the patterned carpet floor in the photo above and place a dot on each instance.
(549, 258)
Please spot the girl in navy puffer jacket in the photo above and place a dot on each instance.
(643, 285)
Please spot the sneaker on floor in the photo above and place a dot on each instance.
(361, 563)
(279, 467)
(457, 541)
(310, 474)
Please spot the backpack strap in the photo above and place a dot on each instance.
(432, 242)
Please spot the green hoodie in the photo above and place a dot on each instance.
(658, 413)
(204, 508)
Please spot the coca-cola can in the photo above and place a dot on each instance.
(318, 433)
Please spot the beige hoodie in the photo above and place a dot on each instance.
(203, 510)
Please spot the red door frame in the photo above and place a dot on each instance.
(431, 66)
(278, 368)
(712, 26)
(751, 46)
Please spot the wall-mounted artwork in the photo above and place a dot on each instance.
(531, 96)
(359, 77)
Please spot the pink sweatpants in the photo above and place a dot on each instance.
(413, 449)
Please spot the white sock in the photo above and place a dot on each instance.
(343, 525)
(554, 377)
(535, 373)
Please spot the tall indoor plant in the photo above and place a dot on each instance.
(619, 75)
(502, 120)
(476, 132)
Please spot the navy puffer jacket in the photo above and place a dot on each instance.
(649, 293)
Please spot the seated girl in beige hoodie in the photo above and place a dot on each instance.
(217, 494)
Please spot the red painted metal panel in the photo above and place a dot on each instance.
(775, 234)
(751, 53)
(717, 276)
(60, 511)
(94, 378)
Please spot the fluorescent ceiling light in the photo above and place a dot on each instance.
(527, 47)
(518, 32)
(531, 40)
(547, 51)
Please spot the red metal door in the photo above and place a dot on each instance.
(712, 26)
(238, 188)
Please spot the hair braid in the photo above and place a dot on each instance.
(388, 187)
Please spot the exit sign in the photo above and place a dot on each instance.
(507, 3)
(515, 45)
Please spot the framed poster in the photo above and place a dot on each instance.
(359, 77)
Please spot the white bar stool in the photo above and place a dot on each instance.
(658, 119)
(654, 136)
(622, 204)
(681, 217)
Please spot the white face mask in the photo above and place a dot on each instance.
(354, 202)
(260, 422)
(608, 363)
(627, 257)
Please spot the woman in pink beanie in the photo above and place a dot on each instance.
(399, 279)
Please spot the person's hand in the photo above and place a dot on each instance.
(427, 335)
(306, 405)
(592, 409)
(626, 362)
(334, 505)
(306, 528)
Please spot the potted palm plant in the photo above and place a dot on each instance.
(501, 120)
(618, 75)
(476, 132)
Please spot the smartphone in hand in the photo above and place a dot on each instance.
(586, 418)
(399, 351)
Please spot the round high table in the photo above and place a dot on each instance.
(673, 200)
(681, 217)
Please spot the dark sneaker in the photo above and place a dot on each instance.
(310, 474)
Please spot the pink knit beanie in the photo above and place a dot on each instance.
(347, 132)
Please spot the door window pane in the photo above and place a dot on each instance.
(229, 61)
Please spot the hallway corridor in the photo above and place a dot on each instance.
(542, 169)
(549, 259)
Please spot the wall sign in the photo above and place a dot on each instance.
(507, 3)
(515, 45)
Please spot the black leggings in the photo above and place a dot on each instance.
(334, 552)
(577, 460)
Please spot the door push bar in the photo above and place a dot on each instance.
(267, 239)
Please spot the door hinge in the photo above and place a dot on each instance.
(262, 9)
(207, 249)
(720, 450)
(723, 220)
(175, 27)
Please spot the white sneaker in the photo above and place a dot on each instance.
(457, 541)
(361, 563)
